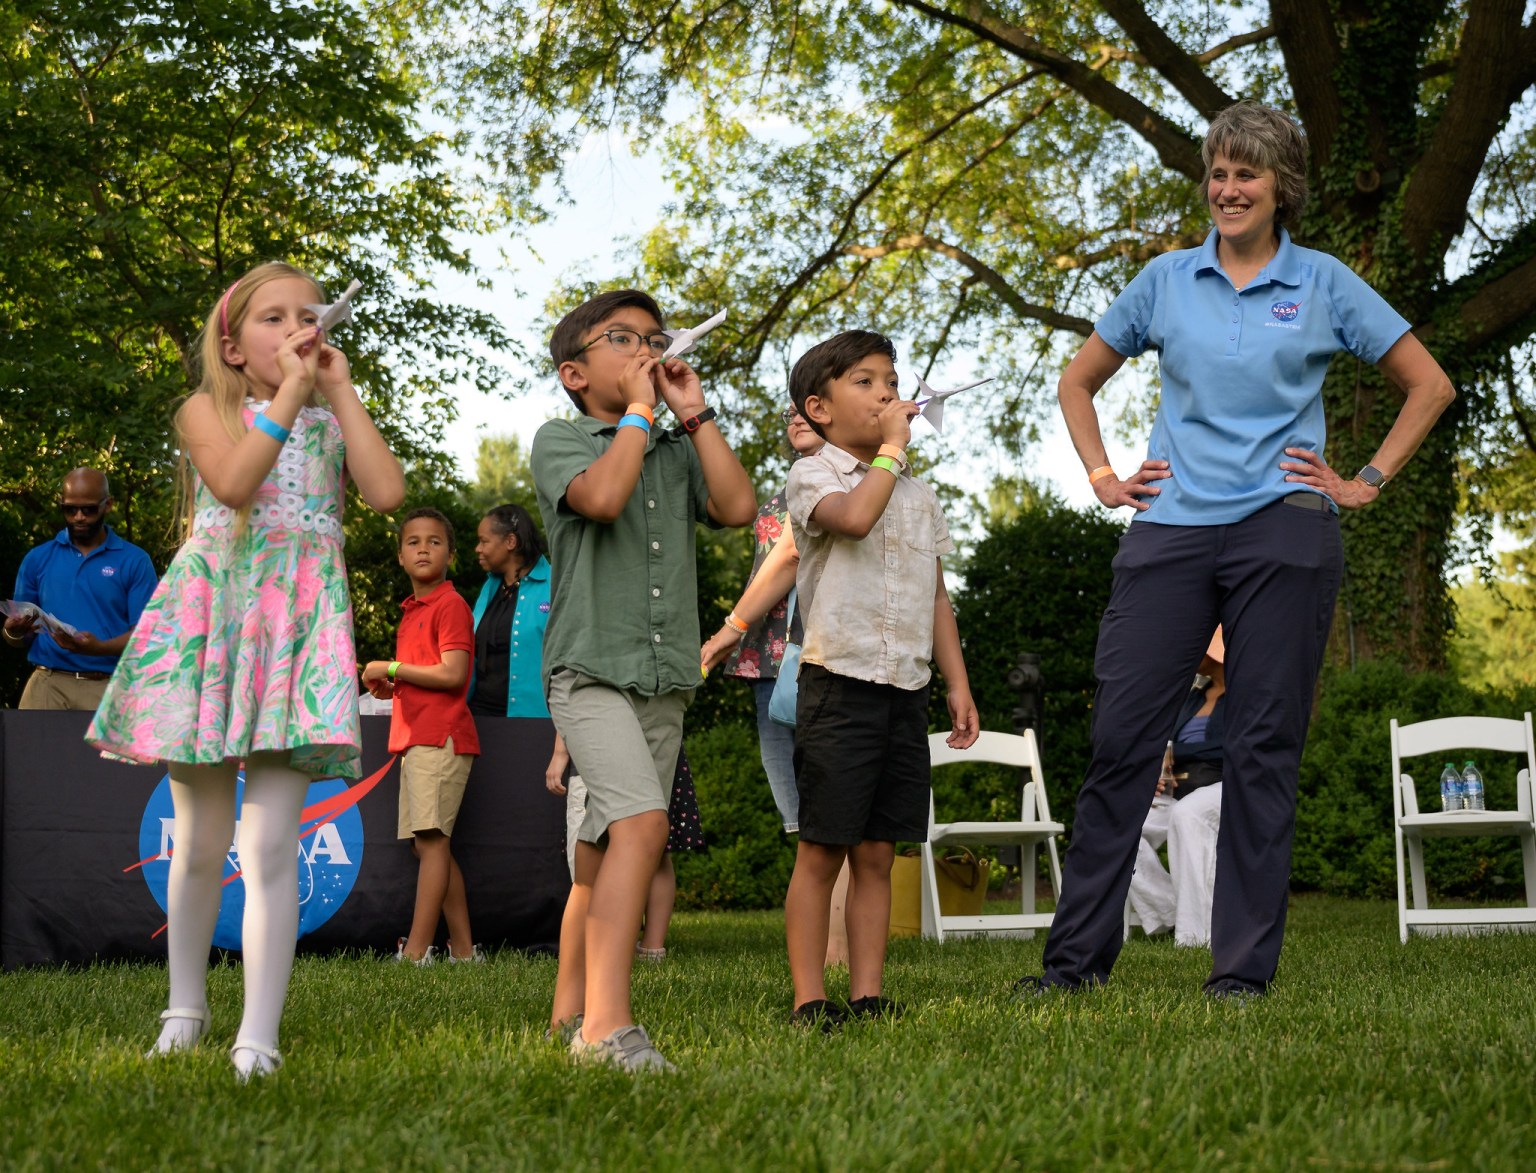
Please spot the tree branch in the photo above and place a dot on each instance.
(1137, 249)
(1435, 203)
(1310, 46)
(984, 273)
(765, 323)
(1506, 303)
(1233, 44)
(1163, 53)
(1175, 147)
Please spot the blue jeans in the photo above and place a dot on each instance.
(776, 743)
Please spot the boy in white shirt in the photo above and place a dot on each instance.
(872, 598)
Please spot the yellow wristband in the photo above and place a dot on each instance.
(394, 666)
(1100, 473)
(641, 409)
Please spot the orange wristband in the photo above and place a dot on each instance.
(1100, 473)
(643, 409)
(895, 452)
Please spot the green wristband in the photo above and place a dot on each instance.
(886, 463)
(394, 666)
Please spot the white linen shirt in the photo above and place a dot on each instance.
(867, 606)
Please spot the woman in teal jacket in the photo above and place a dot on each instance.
(510, 616)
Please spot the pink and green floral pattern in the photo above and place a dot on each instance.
(246, 645)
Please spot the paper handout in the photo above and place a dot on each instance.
(933, 406)
(338, 311)
(684, 340)
(40, 618)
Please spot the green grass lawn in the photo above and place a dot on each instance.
(1368, 1055)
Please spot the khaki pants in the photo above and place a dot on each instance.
(50, 689)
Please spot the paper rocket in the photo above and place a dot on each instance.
(338, 311)
(933, 406)
(683, 340)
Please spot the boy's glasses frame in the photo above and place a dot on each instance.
(657, 343)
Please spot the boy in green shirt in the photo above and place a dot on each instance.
(620, 497)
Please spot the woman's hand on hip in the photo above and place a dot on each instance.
(1311, 469)
(1112, 492)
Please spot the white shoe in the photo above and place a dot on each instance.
(181, 1032)
(476, 954)
(426, 958)
(252, 1059)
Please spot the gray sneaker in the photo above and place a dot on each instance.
(567, 1031)
(628, 1048)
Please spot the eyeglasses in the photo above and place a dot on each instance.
(82, 510)
(789, 415)
(628, 342)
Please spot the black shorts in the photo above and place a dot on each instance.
(861, 759)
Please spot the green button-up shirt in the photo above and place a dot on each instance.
(624, 595)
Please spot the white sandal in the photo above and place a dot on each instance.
(173, 1040)
(263, 1060)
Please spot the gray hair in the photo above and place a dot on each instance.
(1261, 136)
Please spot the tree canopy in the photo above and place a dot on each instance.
(152, 151)
(983, 177)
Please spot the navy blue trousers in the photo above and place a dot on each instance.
(1271, 581)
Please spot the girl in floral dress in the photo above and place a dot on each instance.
(245, 654)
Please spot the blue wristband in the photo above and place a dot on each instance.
(635, 421)
(276, 431)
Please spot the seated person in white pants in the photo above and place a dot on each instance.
(1186, 815)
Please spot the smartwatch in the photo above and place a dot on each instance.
(694, 422)
(1372, 476)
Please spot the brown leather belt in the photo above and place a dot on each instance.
(76, 675)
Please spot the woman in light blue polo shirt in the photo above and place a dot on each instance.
(510, 616)
(1236, 525)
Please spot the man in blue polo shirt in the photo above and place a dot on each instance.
(92, 580)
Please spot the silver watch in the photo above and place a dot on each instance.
(1372, 476)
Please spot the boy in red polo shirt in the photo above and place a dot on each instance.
(432, 728)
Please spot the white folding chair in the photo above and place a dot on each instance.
(1413, 826)
(1032, 828)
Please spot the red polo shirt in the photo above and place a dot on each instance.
(431, 625)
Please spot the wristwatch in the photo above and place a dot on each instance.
(694, 422)
(1372, 476)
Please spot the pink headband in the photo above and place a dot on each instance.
(224, 311)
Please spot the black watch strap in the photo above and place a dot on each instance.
(694, 422)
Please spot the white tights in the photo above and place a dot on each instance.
(204, 802)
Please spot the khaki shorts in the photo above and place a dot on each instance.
(432, 779)
(624, 746)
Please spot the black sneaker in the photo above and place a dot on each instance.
(1035, 986)
(875, 1006)
(1236, 995)
(1030, 986)
(820, 1014)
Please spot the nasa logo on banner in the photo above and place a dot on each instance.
(329, 855)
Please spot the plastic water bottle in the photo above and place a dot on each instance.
(1472, 789)
(1451, 792)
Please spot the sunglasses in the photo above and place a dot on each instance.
(81, 510)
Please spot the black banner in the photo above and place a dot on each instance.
(83, 845)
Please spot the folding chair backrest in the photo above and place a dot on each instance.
(1439, 736)
(1003, 749)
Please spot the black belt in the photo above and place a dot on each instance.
(1305, 500)
(76, 675)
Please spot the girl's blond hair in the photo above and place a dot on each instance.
(226, 386)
